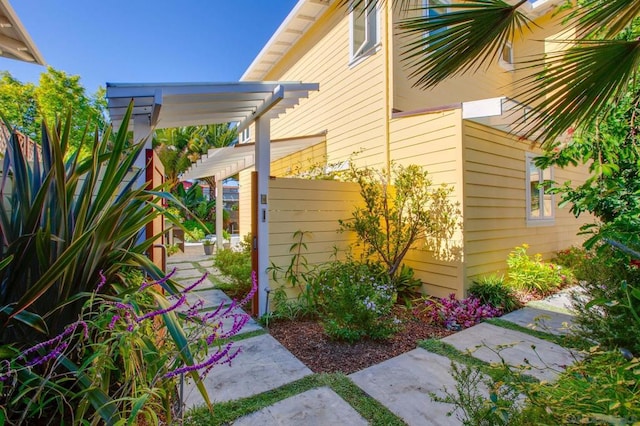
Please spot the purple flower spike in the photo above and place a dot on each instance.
(173, 307)
(103, 281)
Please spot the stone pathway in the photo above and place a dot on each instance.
(402, 384)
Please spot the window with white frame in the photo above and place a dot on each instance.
(431, 11)
(244, 135)
(506, 56)
(364, 29)
(540, 203)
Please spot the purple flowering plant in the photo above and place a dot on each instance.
(456, 314)
(131, 349)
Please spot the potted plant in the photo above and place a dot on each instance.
(208, 246)
(226, 239)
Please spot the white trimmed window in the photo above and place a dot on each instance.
(540, 204)
(244, 135)
(364, 30)
(506, 56)
(434, 13)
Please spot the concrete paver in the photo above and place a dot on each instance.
(539, 319)
(211, 297)
(402, 384)
(187, 275)
(181, 266)
(489, 343)
(316, 407)
(263, 364)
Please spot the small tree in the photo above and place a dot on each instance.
(394, 218)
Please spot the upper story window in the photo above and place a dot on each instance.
(506, 56)
(540, 203)
(364, 29)
(244, 135)
(434, 9)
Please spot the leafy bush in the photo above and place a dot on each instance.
(355, 300)
(394, 219)
(195, 231)
(455, 314)
(606, 310)
(493, 290)
(576, 259)
(533, 274)
(291, 309)
(406, 285)
(236, 266)
(604, 389)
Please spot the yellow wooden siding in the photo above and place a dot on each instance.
(350, 104)
(300, 161)
(312, 206)
(244, 201)
(486, 82)
(433, 141)
(495, 205)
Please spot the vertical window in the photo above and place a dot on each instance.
(540, 203)
(364, 29)
(436, 12)
(506, 56)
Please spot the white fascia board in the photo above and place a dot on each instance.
(482, 108)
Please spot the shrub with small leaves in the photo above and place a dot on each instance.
(355, 300)
(493, 290)
(455, 314)
(533, 274)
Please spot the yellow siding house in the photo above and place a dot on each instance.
(458, 131)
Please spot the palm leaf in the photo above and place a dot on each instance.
(464, 38)
(607, 18)
(576, 84)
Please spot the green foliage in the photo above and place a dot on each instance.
(407, 286)
(607, 310)
(27, 106)
(604, 389)
(394, 218)
(301, 307)
(493, 290)
(237, 266)
(533, 274)
(354, 300)
(472, 407)
(577, 259)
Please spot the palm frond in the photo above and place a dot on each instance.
(607, 17)
(569, 88)
(462, 38)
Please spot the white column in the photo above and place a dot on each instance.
(263, 164)
(141, 131)
(219, 213)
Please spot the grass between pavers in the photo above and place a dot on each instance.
(498, 372)
(567, 340)
(223, 413)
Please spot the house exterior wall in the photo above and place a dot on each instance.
(488, 82)
(433, 140)
(495, 206)
(350, 104)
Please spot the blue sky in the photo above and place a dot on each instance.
(139, 41)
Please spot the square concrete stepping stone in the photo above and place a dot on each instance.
(489, 342)
(181, 266)
(250, 326)
(263, 364)
(403, 384)
(316, 407)
(185, 275)
(541, 320)
(212, 297)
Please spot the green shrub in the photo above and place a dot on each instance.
(236, 266)
(606, 310)
(195, 231)
(533, 274)
(292, 309)
(406, 285)
(575, 258)
(493, 290)
(604, 389)
(355, 300)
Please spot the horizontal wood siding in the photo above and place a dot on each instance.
(350, 105)
(494, 202)
(244, 202)
(314, 156)
(433, 141)
(312, 206)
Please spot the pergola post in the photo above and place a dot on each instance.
(263, 164)
(219, 214)
(141, 129)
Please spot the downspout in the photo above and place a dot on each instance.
(387, 86)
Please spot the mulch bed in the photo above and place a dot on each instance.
(307, 341)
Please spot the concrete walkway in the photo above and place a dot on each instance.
(402, 384)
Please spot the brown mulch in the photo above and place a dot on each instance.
(308, 342)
